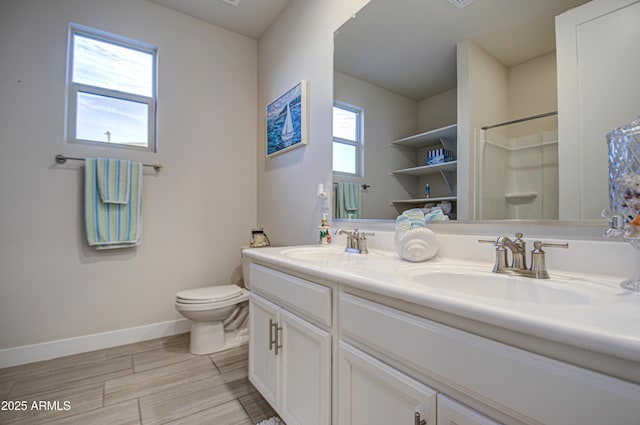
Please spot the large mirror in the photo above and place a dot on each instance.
(397, 94)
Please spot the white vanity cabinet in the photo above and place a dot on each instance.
(336, 351)
(450, 412)
(289, 356)
(519, 386)
(371, 392)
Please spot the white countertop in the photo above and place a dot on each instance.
(604, 319)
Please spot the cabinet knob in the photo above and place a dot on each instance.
(418, 421)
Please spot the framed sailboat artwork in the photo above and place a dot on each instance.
(287, 120)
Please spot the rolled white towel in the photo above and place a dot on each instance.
(416, 245)
(410, 219)
(403, 223)
(436, 215)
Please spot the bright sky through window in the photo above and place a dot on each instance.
(111, 91)
(346, 140)
(113, 67)
(345, 124)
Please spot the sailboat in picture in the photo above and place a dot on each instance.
(286, 118)
(287, 128)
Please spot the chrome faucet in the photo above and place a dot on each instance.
(356, 240)
(518, 251)
(518, 265)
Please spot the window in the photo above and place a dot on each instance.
(347, 139)
(111, 95)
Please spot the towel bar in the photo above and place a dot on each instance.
(61, 159)
(363, 186)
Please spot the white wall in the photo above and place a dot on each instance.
(597, 80)
(438, 111)
(197, 211)
(298, 46)
(387, 117)
(533, 90)
(482, 99)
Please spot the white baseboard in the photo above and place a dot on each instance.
(82, 344)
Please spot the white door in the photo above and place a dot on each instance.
(597, 62)
(263, 363)
(451, 412)
(305, 372)
(371, 392)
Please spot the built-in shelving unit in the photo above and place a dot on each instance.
(422, 201)
(428, 138)
(424, 170)
(445, 137)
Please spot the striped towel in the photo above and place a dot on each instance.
(112, 225)
(114, 182)
(410, 219)
(348, 200)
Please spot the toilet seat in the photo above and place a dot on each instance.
(210, 297)
(209, 294)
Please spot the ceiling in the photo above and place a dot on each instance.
(409, 46)
(250, 17)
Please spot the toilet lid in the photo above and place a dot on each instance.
(209, 294)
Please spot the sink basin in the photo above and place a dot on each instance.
(327, 254)
(497, 286)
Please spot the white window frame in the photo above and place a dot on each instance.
(358, 143)
(74, 88)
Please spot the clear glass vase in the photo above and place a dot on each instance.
(624, 189)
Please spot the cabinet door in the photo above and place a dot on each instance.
(371, 392)
(597, 45)
(263, 363)
(451, 412)
(305, 395)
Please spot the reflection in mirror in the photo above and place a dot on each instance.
(397, 62)
(526, 152)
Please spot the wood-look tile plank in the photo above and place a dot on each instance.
(44, 367)
(80, 399)
(169, 384)
(257, 407)
(154, 380)
(5, 387)
(231, 359)
(161, 410)
(161, 357)
(72, 376)
(149, 345)
(230, 413)
(126, 413)
(192, 386)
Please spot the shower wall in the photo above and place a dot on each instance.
(517, 176)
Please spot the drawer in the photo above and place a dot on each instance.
(526, 386)
(308, 298)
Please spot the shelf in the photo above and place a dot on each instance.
(519, 198)
(427, 169)
(428, 138)
(424, 200)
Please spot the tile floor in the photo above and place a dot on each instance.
(151, 382)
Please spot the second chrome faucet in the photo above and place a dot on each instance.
(356, 240)
(518, 264)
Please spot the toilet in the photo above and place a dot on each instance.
(218, 317)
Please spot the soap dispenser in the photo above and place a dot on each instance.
(325, 231)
